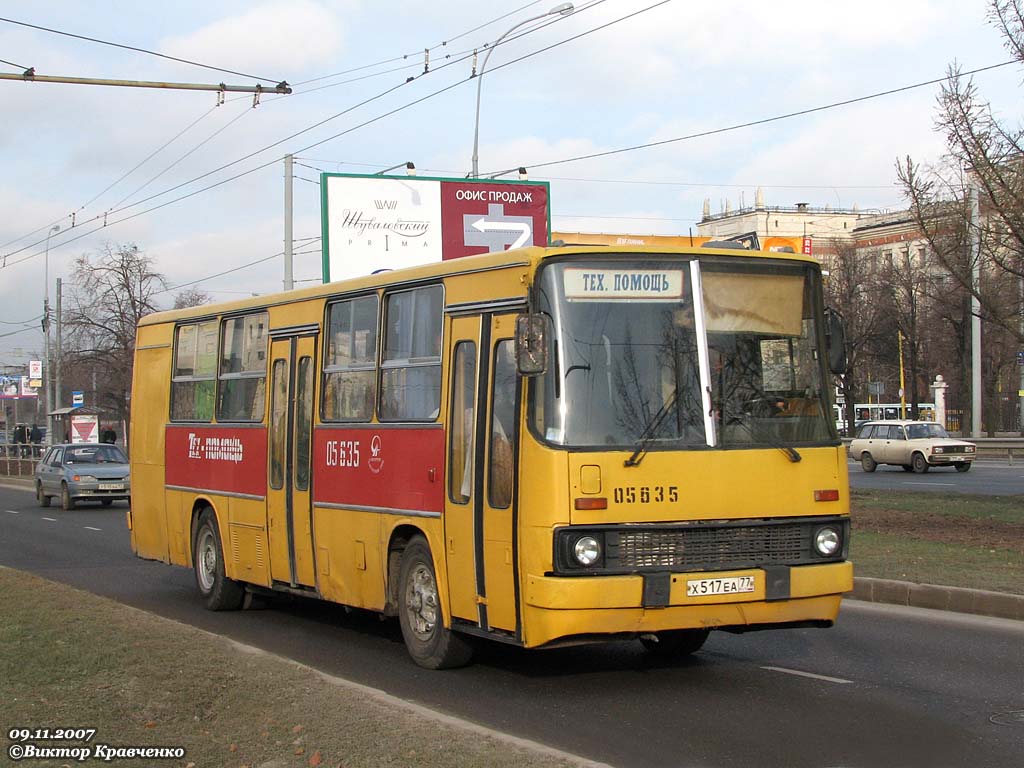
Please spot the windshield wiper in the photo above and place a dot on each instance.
(791, 453)
(648, 434)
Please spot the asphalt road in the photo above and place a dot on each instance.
(986, 477)
(887, 686)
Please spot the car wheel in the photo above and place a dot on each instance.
(675, 643)
(908, 468)
(868, 463)
(961, 467)
(428, 641)
(219, 592)
(42, 498)
(67, 501)
(919, 463)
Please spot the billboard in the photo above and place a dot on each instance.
(371, 223)
(13, 387)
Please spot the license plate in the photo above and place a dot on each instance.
(111, 486)
(728, 586)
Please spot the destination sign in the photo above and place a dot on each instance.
(616, 284)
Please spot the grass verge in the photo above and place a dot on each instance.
(975, 542)
(74, 659)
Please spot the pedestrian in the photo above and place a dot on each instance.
(35, 436)
(108, 436)
(20, 438)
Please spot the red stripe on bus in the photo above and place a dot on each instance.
(391, 468)
(223, 459)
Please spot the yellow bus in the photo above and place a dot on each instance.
(539, 447)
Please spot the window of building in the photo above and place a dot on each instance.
(243, 368)
(195, 371)
(411, 365)
(351, 360)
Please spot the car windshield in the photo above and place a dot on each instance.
(625, 356)
(923, 431)
(94, 454)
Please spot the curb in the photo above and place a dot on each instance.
(958, 599)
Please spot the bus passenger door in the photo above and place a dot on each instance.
(460, 509)
(498, 458)
(289, 508)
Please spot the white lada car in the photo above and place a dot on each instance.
(916, 446)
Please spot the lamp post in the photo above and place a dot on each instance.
(563, 9)
(46, 335)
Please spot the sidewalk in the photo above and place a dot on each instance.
(977, 601)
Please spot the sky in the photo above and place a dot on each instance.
(199, 188)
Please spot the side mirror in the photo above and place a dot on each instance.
(835, 342)
(531, 345)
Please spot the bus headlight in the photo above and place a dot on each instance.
(827, 541)
(587, 551)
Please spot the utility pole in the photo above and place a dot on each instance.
(58, 398)
(975, 240)
(289, 282)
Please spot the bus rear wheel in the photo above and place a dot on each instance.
(428, 641)
(675, 643)
(219, 592)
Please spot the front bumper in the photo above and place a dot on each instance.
(564, 607)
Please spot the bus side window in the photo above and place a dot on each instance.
(503, 421)
(410, 382)
(462, 424)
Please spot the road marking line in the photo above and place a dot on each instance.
(51, 519)
(910, 483)
(809, 674)
(11, 512)
(90, 528)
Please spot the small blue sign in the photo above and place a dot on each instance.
(77, 399)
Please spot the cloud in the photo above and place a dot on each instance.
(275, 39)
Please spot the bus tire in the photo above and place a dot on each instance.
(919, 463)
(429, 642)
(675, 643)
(218, 591)
(867, 462)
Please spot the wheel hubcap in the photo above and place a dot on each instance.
(207, 560)
(421, 602)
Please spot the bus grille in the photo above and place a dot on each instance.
(708, 548)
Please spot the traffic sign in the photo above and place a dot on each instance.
(77, 399)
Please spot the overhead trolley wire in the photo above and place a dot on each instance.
(313, 127)
(763, 121)
(140, 50)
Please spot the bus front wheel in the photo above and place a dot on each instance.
(429, 642)
(675, 643)
(219, 592)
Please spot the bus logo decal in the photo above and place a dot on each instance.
(376, 463)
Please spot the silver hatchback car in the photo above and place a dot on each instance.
(82, 472)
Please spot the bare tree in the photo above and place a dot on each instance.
(988, 155)
(109, 293)
(852, 289)
(191, 297)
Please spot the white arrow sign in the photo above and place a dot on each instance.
(483, 225)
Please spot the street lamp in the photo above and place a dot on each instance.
(46, 335)
(563, 9)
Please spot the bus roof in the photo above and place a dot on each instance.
(526, 257)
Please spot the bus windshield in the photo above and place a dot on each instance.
(625, 363)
